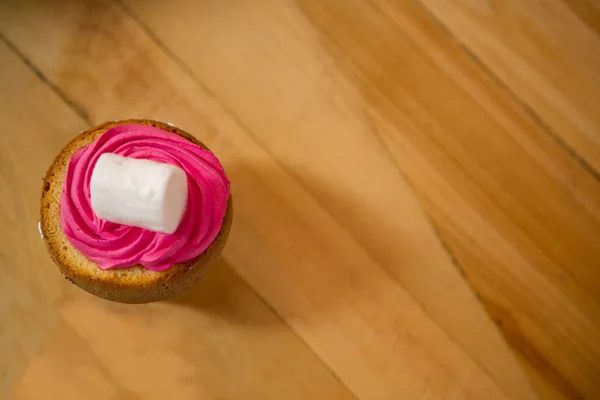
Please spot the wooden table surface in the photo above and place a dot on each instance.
(417, 197)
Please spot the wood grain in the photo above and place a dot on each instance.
(546, 52)
(373, 161)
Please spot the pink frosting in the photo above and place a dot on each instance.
(112, 245)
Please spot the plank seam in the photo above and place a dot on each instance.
(76, 108)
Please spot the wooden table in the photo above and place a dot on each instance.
(417, 196)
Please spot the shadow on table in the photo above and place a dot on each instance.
(222, 293)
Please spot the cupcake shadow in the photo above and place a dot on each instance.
(289, 257)
(222, 293)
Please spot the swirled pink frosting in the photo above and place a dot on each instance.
(112, 245)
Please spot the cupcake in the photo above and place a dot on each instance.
(134, 211)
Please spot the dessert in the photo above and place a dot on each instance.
(156, 236)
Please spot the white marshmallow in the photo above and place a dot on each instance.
(141, 193)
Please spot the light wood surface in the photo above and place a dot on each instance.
(417, 198)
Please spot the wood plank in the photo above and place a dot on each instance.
(546, 52)
(220, 340)
(330, 79)
(323, 280)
